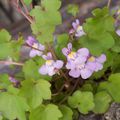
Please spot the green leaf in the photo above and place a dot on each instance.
(87, 87)
(98, 32)
(48, 5)
(98, 46)
(4, 81)
(48, 112)
(30, 70)
(4, 36)
(35, 92)
(102, 101)
(101, 23)
(67, 113)
(15, 106)
(62, 41)
(16, 46)
(116, 47)
(116, 64)
(112, 86)
(83, 101)
(46, 19)
(5, 50)
(27, 2)
(72, 9)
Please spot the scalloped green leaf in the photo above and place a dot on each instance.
(48, 112)
(98, 30)
(112, 86)
(48, 4)
(4, 36)
(102, 102)
(62, 41)
(101, 23)
(46, 18)
(98, 46)
(67, 113)
(30, 70)
(16, 106)
(35, 92)
(83, 101)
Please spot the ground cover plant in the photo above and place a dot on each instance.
(65, 74)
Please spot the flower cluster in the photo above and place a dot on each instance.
(51, 66)
(77, 29)
(82, 63)
(36, 48)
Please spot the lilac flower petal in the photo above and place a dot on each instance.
(101, 59)
(91, 66)
(51, 70)
(74, 73)
(58, 64)
(83, 52)
(13, 80)
(74, 25)
(77, 21)
(80, 33)
(32, 53)
(30, 40)
(86, 73)
(44, 57)
(80, 59)
(99, 66)
(41, 47)
(69, 46)
(49, 56)
(65, 51)
(70, 65)
(71, 31)
(39, 53)
(43, 70)
(118, 32)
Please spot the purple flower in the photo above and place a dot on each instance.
(96, 63)
(77, 29)
(68, 52)
(37, 48)
(83, 64)
(51, 66)
(13, 80)
(118, 32)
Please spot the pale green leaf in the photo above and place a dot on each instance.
(48, 112)
(83, 101)
(15, 106)
(102, 101)
(67, 113)
(35, 92)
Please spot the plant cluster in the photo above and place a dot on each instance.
(77, 71)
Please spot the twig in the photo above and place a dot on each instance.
(108, 4)
(11, 63)
(32, 47)
(26, 10)
(65, 98)
(19, 9)
(26, 16)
